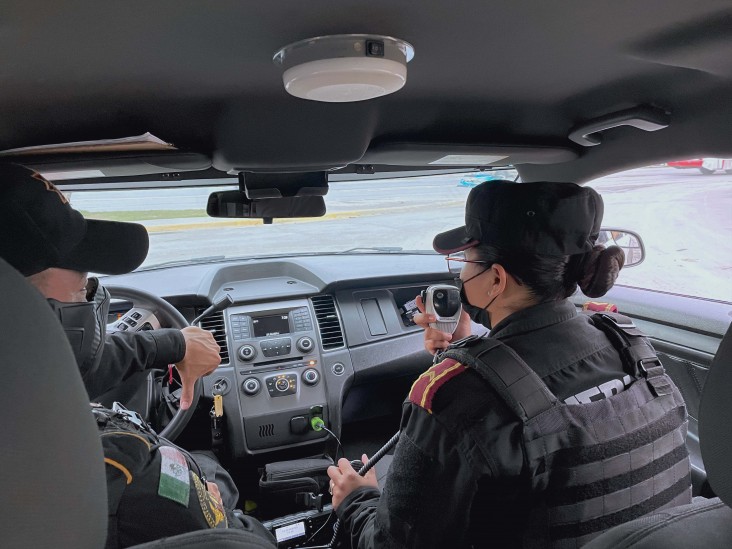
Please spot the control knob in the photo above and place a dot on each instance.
(305, 344)
(282, 385)
(310, 376)
(251, 386)
(247, 352)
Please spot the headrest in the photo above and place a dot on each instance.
(715, 419)
(51, 466)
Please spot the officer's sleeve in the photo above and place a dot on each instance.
(127, 353)
(427, 497)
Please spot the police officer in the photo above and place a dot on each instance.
(549, 430)
(54, 246)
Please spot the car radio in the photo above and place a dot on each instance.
(272, 336)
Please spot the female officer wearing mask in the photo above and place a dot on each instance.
(538, 434)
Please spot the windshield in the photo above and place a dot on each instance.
(685, 224)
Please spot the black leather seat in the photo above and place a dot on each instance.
(54, 491)
(704, 523)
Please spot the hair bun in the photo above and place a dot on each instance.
(600, 270)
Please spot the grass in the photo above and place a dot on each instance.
(143, 215)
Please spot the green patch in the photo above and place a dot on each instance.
(143, 215)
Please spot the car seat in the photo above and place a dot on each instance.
(704, 522)
(51, 467)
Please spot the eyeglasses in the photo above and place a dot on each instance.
(461, 259)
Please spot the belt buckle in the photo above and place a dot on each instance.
(655, 361)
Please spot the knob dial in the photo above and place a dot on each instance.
(310, 376)
(251, 386)
(247, 352)
(305, 344)
(338, 369)
(282, 385)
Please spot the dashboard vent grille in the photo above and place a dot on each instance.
(214, 323)
(267, 430)
(329, 324)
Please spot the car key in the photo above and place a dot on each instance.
(443, 301)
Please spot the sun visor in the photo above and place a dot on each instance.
(57, 167)
(467, 156)
(293, 135)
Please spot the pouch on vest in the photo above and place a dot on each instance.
(154, 487)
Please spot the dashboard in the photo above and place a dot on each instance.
(300, 334)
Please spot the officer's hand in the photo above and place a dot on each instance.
(344, 479)
(201, 358)
(435, 340)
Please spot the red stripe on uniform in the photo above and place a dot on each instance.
(426, 386)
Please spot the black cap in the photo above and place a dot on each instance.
(555, 219)
(39, 229)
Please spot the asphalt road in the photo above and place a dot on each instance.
(684, 218)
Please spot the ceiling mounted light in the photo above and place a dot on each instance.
(345, 67)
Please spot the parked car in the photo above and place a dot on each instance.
(706, 166)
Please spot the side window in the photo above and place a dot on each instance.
(681, 210)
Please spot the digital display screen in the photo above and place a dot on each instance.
(291, 531)
(271, 325)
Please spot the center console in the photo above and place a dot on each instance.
(278, 372)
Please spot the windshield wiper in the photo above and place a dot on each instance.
(382, 249)
(180, 262)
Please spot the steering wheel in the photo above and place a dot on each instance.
(150, 311)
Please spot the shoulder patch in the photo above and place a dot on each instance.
(425, 387)
(212, 509)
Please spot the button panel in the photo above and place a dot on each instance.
(281, 385)
(301, 319)
(276, 347)
(240, 326)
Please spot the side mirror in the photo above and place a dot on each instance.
(630, 243)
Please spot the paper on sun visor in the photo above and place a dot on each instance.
(78, 174)
(467, 160)
(144, 142)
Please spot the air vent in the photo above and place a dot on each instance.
(266, 430)
(331, 334)
(214, 323)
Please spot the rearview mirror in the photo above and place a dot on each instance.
(236, 204)
(628, 241)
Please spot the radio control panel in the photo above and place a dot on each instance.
(263, 338)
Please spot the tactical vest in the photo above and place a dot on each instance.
(154, 488)
(592, 466)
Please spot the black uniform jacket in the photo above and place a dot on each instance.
(126, 353)
(456, 476)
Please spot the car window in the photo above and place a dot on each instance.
(362, 216)
(681, 210)
(681, 213)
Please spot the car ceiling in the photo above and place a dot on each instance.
(523, 73)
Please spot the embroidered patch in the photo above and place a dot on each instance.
(426, 386)
(212, 509)
(174, 481)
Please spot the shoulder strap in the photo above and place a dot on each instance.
(505, 371)
(638, 355)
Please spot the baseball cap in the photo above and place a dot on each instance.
(544, 218)
(40, 230)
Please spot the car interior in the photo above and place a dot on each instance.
(271, 120)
